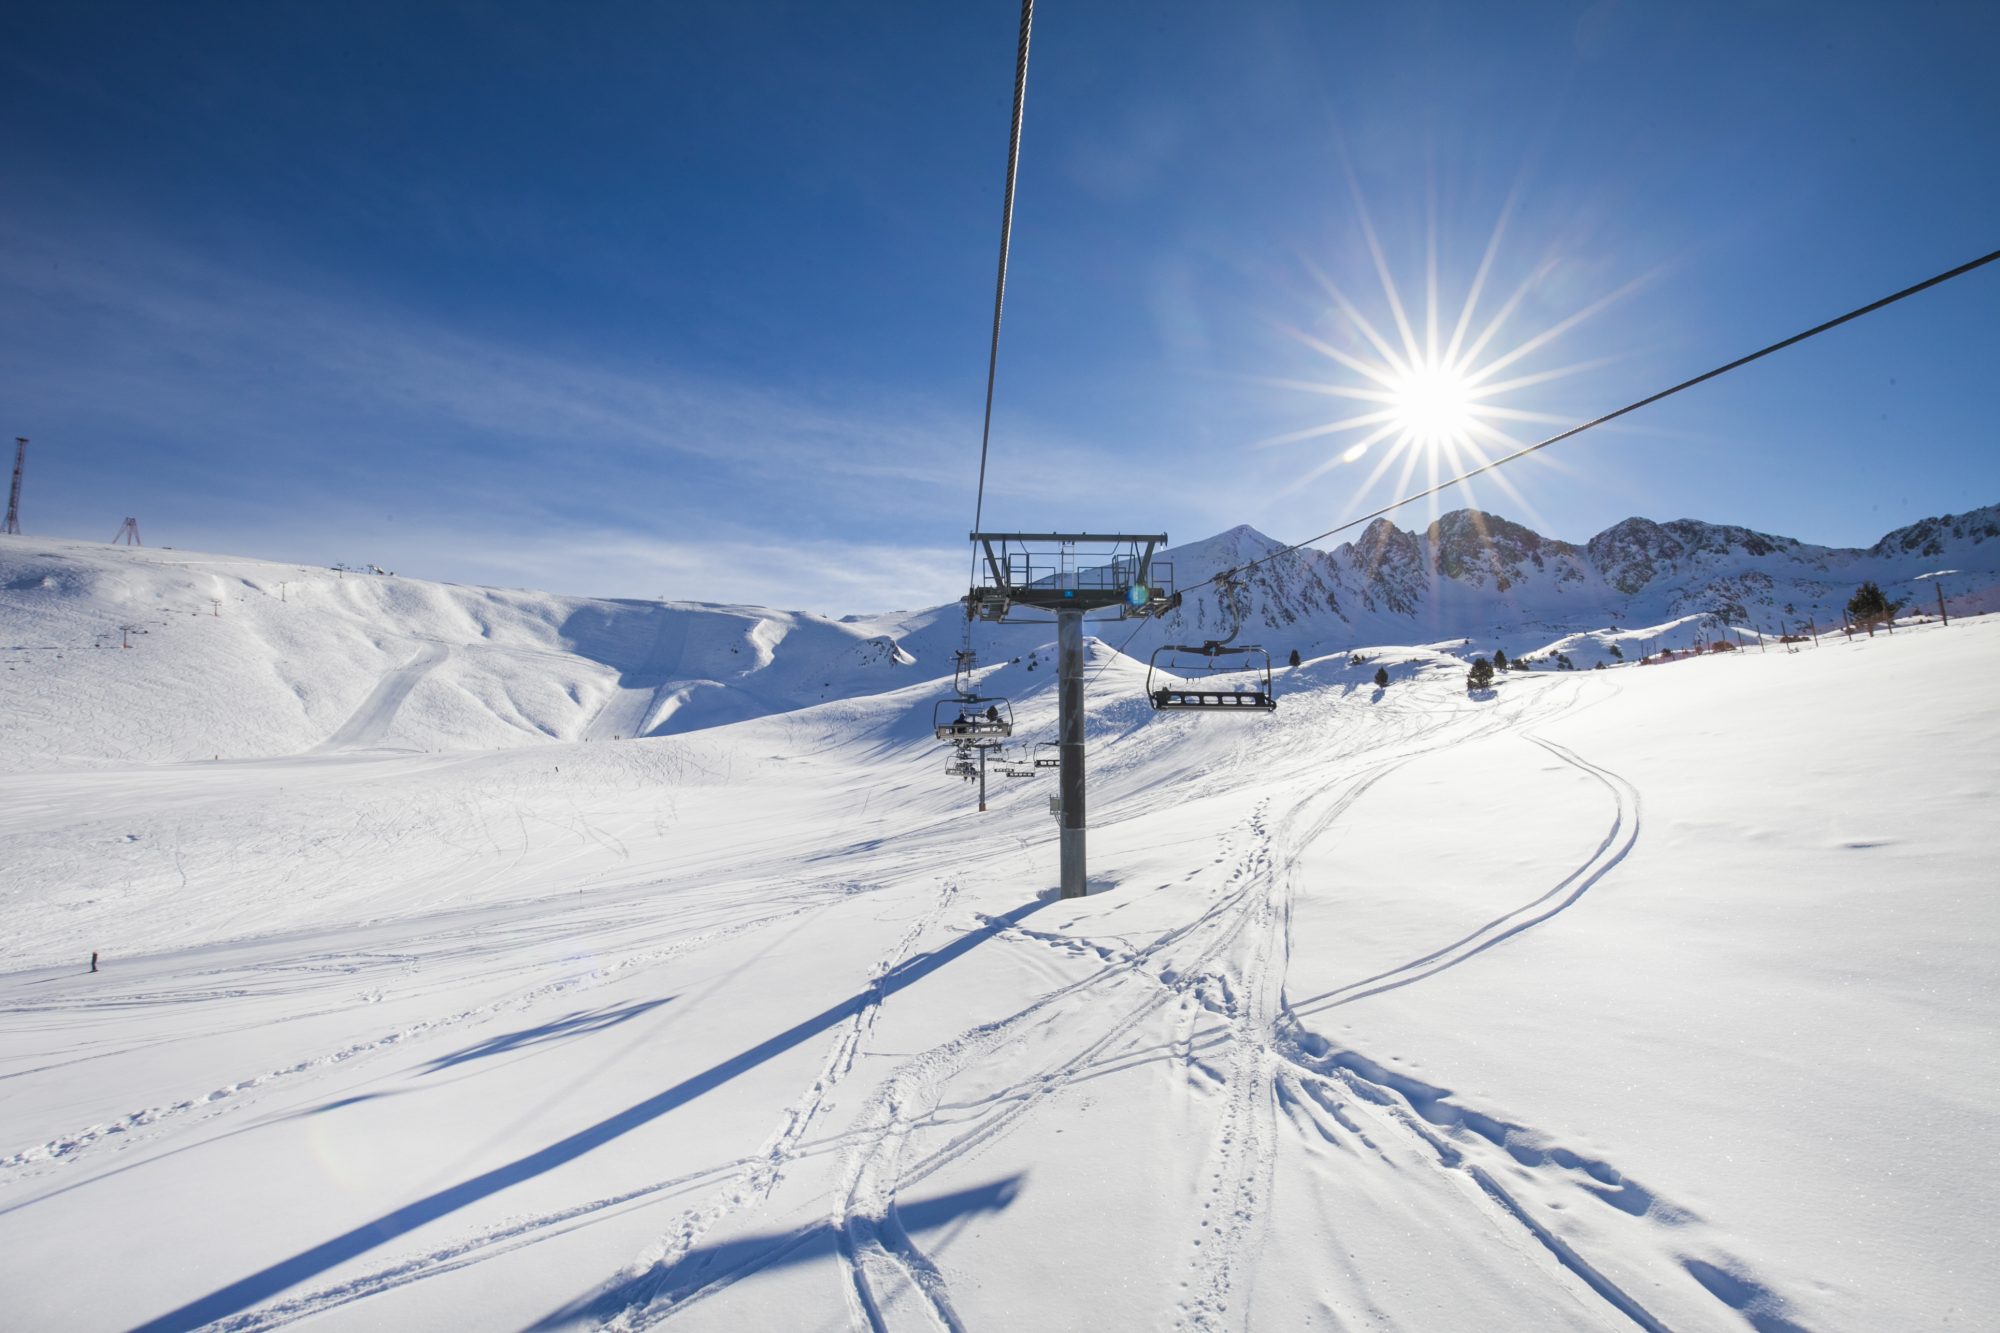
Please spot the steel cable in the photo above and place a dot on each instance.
(1814, 331)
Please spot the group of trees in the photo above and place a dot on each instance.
(1355, 660)
(1868, 607)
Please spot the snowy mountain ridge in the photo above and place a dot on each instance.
(242, 658)
(179, 655)
(1476, 575)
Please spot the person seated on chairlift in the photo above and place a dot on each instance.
(993, 712)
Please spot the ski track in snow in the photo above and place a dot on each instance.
(68, 1146)
(886, 1273)
(1314, 1073)
(883, 1263)
(889, 1278)
(746, 1183)
(1616, 845)
(1254, 1060)
(648, 1279)
(1270, 1058)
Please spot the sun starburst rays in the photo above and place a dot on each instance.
(1428, 388)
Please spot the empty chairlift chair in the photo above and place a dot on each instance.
(1211, 677)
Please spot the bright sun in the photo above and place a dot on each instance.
(1432, 404)
(1427, 389)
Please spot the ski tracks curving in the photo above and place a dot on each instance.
(1615, 846)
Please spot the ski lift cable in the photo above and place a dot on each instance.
(1120, 652)
(1816, 330)
(1000, 280)
(1221, 576)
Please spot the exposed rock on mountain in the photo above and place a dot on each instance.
(309, 659)
(1477, 574)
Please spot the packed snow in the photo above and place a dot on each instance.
(427, 998)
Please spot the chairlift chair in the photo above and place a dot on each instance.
(968, 716)
(1188, 678)
(1048, 754)
(972, 718)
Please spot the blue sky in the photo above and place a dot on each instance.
(693, 300)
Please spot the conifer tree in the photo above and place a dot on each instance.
(1381, 678)
(1869, 606)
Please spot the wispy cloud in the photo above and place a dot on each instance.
(186, 377)
(830, 577)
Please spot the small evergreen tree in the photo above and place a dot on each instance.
(1499, 659)
(1355, 659)
(1481, 675)
(1381, 678)
(1295, 657)
(1617, 652)
(1869, 606)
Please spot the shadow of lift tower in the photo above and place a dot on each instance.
(1036, 578)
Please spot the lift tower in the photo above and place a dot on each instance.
(14, 496)
(1069, 575)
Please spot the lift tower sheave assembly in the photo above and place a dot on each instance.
(1070, 574)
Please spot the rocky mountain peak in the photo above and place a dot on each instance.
(1928, 537)
(1381, 543)
(1629, 554)
(1473, 547)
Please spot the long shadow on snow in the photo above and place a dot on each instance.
(573, 1025)
(709, 1266)
(266, 1282)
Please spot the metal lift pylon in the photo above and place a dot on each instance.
(1069, 575)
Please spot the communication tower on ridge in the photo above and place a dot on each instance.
(14, 496)
(128, 533)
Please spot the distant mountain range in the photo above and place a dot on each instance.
(1477, 575)
(231, 657)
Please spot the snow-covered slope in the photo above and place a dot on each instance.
(1657, 998)
(347, 661)
(314, 658)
